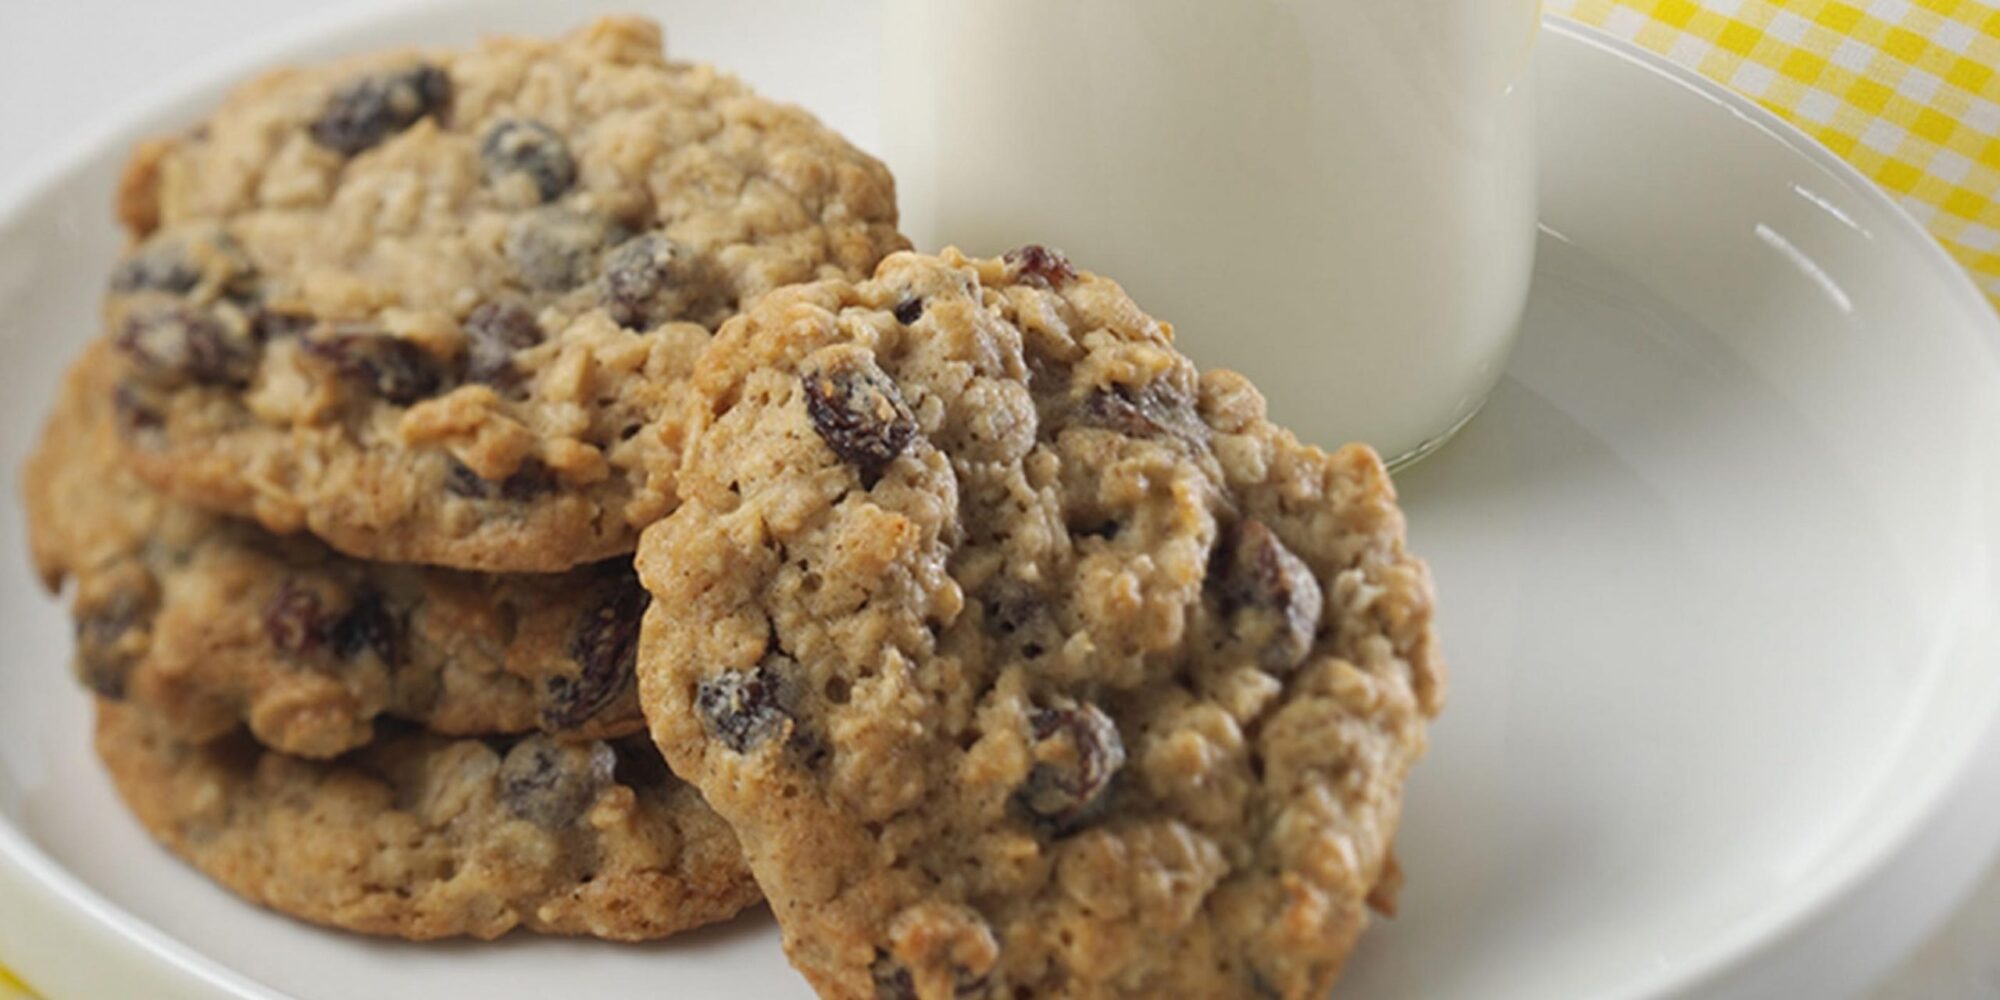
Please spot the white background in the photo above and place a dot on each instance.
(66, 63)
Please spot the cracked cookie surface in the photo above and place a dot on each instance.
(422, 836)
(211, 623)
(429, 304)
(1024, 659)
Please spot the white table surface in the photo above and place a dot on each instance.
(64, 63)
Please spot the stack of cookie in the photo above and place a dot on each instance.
(463, 419)
(349, 489)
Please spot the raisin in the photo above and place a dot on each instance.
(530, 480)
(298, 624)
(493, 333)
(177, 263)
(160, 265)
(892, 980)
(107, 647)
(745, 708)
(859, 413)
(368, 626)
(397, 370)
(909, 311)
(1076, 752)
(1156, 410)
(605, 646)
(552, 784)
(180, 344)
(371, 109)
(649, 280)
(530, 148)
(1036, 264)
(1271, 597)
(555, 249)
(293, 620)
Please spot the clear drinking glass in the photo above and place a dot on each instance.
(1336, 197)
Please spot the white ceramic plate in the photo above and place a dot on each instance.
(1717, 569)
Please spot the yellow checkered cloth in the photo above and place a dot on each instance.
(1906, 90)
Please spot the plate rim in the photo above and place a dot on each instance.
(27, 868)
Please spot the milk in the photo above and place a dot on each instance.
(1335, 197)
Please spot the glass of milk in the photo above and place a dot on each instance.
(1335, 197)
